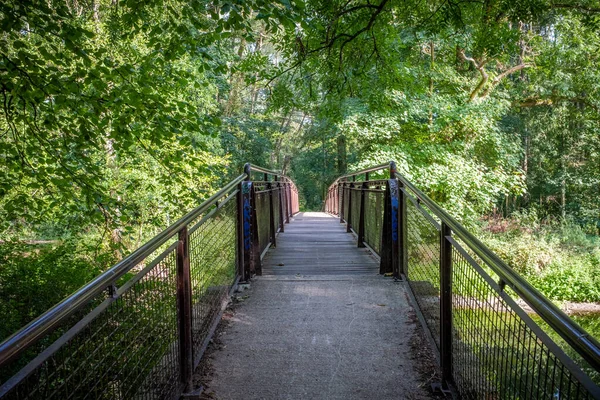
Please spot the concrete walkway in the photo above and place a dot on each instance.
(309, 330)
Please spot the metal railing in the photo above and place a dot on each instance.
(467, 297)
(140, 329)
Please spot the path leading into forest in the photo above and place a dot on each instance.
(319, 324)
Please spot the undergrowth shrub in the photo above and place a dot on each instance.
(558, 258)
(33, 278)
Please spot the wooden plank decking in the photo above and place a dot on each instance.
(317, 244)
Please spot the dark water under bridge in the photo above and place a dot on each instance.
(382, 295)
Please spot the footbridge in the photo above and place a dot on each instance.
(347, 303)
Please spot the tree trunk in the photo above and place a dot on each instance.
(431, 65)
(254, 94)
(525, 165)
(342, 155)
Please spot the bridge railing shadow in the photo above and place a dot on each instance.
(470, 302)
(140, 329)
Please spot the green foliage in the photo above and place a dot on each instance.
(35, 277)
(558, 259)
(117, 117)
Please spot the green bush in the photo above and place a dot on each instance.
(33, 278)
(559, 259)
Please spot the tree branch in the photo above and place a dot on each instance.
(479, 65)
(503, 75)
(364, 29)
(578, 7)
(537, 102)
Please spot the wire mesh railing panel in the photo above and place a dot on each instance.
(213, 249)
(346, 201)
(498, 350)
(263, 218)
(13, 367)
(423, 242)
(284, 206)
(125, 348)
(374, 202)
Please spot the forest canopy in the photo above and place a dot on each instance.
(119, 115)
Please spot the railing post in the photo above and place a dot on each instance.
(240, 231)
(349, 211)
(255, 262)
(291, 210)
(247, 225)
(336, 200)
(341, 188)
(446, 304)
(272, 227)
(280, 201)
(184, 310)
(286, 187)
(403, 231)
(390, 258)
(361, 215)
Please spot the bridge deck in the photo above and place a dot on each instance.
(324, 325)
(317, 244)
